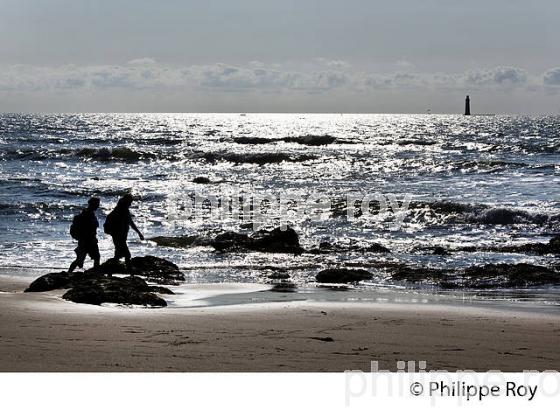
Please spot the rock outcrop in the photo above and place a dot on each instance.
(201, 180)
(96, 286)
(509, 276)
(550, 248)
(185, 241)
(128, 290)
(342, 275)
(151, 268)
(489, 276)
(273, 241)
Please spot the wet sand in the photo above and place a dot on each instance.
(41, 332)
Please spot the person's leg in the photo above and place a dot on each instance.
(73, 266)
(127, 257)
(81, 253)
(95, 255)
(121, 250)
(116, 245)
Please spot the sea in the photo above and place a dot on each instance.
(462, 181)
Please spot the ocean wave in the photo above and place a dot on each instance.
(416, 142)
(255, 140)
(37, 207)
(449, 212)
(159, 141)
(109, 154)
(407, 142)
(455, 213)
(260, 158)
(105, 154)
(505, 216)
(489, 164)
(310, 140)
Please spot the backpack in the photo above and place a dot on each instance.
(76, 227)
(109, 225)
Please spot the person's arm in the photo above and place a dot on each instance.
(133, 226)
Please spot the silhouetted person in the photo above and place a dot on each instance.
(117, 225)
(84, 229)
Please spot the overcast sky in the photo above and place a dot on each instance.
(280, 56)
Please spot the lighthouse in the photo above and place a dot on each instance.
(468, 106)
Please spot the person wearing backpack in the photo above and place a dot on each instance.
(117, 225)
(84, 229)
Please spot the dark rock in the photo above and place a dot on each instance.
(51, 281)
(375, 248)
(275, 241)
(479, 277)
(62, 280)
(185, 241)
(129, 290)
(201, 180)
(553, 247)
(96, 286)
(438, 250)
(281, 282)
(342, 275)
(90, 293)
(161, 290)
(153, 269)
(157, 270)
(509, 275)
(502, 216)
(529, 248)
(231, 241)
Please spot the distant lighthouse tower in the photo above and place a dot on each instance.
(468, 106)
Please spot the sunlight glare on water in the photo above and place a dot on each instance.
(456, 169)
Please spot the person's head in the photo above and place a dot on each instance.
(125, 201)
(93, 203)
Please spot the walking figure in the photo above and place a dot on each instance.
(84, 229)
(117, 225)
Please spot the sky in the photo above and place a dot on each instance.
(398, 56)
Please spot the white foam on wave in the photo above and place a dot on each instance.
(189, 296)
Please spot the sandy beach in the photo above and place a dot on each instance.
(41, 332)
